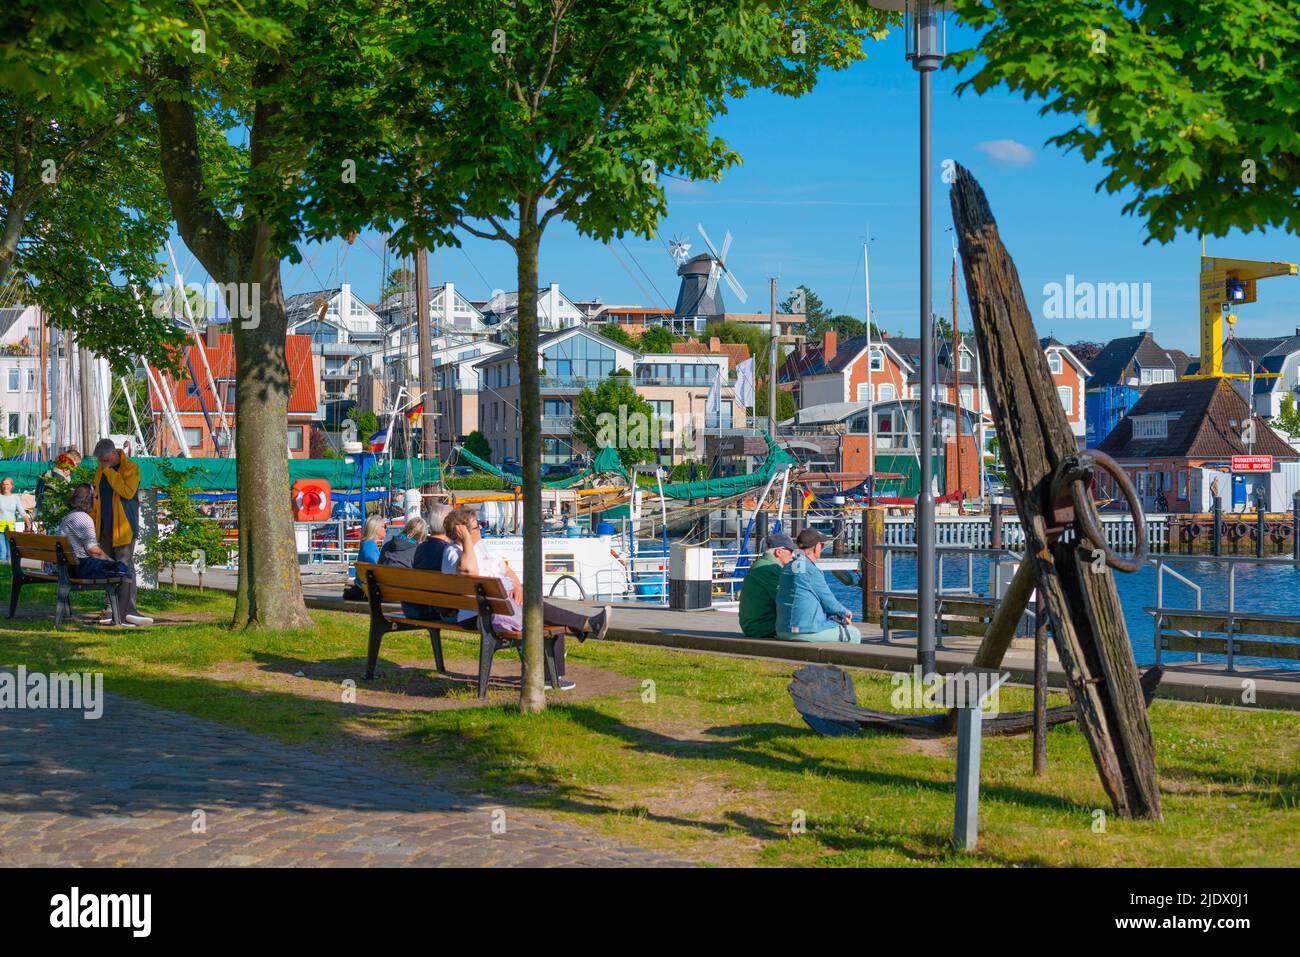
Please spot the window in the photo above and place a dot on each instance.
(1182, 484)
(556, 409)
(13, 380)
(319, 331)
(1054, 362)
(915, 391)
(295, 438)
(13, 423)
(1146, 378)
(722, 420)
(1067, 398)
(558, 564)
(877, 360)
(193, 437)
(887, 392)
(967, 397)
(864, 391)
(579, 357)
(963, 362)
(1150, 427)
(31, 379)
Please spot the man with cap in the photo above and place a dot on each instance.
(806, 608)
(758, 593)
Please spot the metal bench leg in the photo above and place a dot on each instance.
(14, 587)
(376, 639)
(435, 639)
(884, 621)
(115, 606)
(487, 647)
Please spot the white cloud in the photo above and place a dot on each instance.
(1006, 152)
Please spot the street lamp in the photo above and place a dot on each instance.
(926, 40)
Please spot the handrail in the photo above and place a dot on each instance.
(582, 594)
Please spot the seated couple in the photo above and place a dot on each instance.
(451, 542)
(786, 596)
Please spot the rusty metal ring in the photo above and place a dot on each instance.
(1086, 518)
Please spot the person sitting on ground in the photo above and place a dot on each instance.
(467, 556)
(400, 549)
(806, 609)
(78, 526)
(758, 592)
(372, 533)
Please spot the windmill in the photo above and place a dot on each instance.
(679, 249)
(699, 298)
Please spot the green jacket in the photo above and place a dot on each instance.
(758, 598)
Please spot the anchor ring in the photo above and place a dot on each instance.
(1085, 513)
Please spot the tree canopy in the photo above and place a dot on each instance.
(1193, 108)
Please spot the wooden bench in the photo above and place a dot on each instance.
(958, 614)
(484, 596)
(1173, 625)
(57, 551)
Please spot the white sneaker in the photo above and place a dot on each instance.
(139, 620)
(125, 624)
(565, 685)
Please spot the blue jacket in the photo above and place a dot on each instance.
(804, 602)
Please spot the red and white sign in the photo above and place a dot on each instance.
(1252, 463)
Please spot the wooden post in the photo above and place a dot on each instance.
(873, 561)
(995, 523)
(1259, 529)
(1216, 533)
(1087, 617)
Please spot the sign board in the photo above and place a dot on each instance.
(1252, 463)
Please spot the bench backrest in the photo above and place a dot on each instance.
(420, 587)
(41, 548)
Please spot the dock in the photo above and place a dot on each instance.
(717, 631)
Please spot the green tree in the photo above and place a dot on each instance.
(476, 443)
(185, 536)
(120, 420)
(614, 415)
(54, 500)
(13, 446)
(657, 340)
(505, 117)
(1287, 420)
(805, 302)
(367, 422)
(785, 404)
(1192, 108)
(614, 333)
(399, 279)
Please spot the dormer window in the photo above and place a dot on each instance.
(1054, 362)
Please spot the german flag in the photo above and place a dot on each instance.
(413, 415)
(807, 498)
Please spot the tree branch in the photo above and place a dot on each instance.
(198, 220)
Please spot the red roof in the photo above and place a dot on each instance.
(221, 357)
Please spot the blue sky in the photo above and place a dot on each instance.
(818, 171)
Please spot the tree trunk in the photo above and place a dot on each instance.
(270, 588)
(269, 591)
(532, 695)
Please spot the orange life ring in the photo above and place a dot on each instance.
(311, 500)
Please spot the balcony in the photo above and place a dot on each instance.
(570, 383)
(559, 424)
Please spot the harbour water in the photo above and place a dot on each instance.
(1263, 589)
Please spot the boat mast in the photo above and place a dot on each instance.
(871, 387)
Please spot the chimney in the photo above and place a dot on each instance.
(210, 334)
(715, 345)
(830, 341)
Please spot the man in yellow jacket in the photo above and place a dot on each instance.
(117, 520)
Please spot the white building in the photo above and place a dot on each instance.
(20, 374)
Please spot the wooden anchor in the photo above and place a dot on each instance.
(1050, 482)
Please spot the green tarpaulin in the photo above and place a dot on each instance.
(606, 462)
(218, 475)
(777, 459)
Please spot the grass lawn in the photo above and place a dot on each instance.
(715, 765)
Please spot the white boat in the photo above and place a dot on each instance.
(593, 561)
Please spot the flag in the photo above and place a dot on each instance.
(413, 415)
(745, 383)
(713, 407)
(379, 440)
(807, 498)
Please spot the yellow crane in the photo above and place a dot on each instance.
(1225, 283)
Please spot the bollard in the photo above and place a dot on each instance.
(995, 523)
(1216, 533)
(760, 530)
(873, 562)
(690, 577)
(966, 813)
(1259, 530)
(1295, 527)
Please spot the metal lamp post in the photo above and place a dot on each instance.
(923, 24)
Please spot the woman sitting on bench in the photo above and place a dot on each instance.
(467, 556)
(79, 528)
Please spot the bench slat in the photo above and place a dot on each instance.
(423, 596)
(425, 580)
(40, 547)
(1241, 647)
(1277, 626)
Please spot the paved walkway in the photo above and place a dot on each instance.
(124, 789)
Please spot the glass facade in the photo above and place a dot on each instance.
(576, 359)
